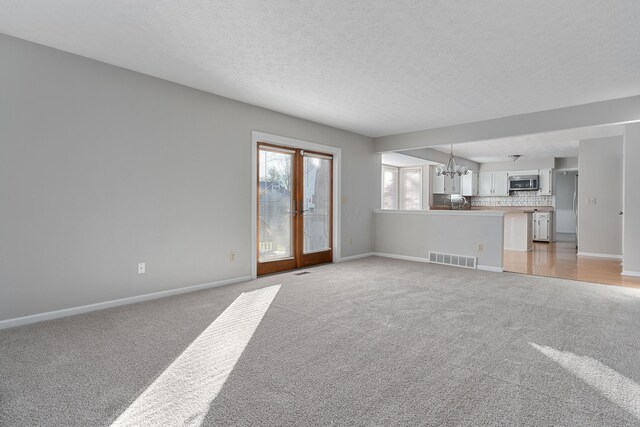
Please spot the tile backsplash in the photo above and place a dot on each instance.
(517, 198)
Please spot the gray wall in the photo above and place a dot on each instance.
(598, 113)
(519, 165)
(631, 260)
(440, 157)
(600, 177)
(102, 168)
(565, 220)
(414, 234)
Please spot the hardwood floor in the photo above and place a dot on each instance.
(559, 259)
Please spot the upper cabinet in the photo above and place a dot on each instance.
(452, 185)
(497, 183)
(437, 182)
(500, 184)
(546, 182)
(470, 184)
(493, 184)
(485, 184)
(445, 185)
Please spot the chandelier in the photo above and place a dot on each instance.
(452, 167)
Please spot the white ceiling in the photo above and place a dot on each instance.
(376, 67)
(543, 145)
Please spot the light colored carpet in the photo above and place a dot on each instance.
(367, 342)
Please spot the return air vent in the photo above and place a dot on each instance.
(302, 273)
(455, 260)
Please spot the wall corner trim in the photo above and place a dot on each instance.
(65, 312)
(354, 257)
(631, 273)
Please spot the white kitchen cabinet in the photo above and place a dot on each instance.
(493, 184)
(545, 184)
(500, 184)
(437, 182)
(444, 184)
(470, 184)
(452, 186)
(485, 184)
(542, 226)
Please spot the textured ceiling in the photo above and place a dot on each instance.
(376, 67)
(550, 144)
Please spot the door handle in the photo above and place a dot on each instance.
(620, 213)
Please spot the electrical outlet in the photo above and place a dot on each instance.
(142, 267)
(480, 247)
(232, 256)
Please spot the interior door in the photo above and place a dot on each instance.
(295, 196)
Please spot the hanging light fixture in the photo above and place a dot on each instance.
(452, 169)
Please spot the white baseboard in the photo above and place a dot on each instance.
(490, 268)
(352, 257)
(597, 255)
(419, 259)
(402, 257)
(631, 273)
(26, 320)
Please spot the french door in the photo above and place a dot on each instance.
(295, 195)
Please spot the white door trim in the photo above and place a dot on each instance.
(256, 137)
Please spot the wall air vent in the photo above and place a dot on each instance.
(455, 260)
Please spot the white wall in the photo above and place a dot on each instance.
(600, 177)
(566, 163)
(565, 220)
(519, 165)
(414, 233)
(102, 168)
(631, 260)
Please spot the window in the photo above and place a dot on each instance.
(401, 188)
(389, 187)
(411, 188)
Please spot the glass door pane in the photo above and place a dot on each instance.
(275, 205)
(316, 203)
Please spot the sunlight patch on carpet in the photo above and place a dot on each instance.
(182, 394)
(619, 389)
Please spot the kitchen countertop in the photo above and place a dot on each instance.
(522, 209)
(498, 208)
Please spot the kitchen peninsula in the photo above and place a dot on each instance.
(518, 225)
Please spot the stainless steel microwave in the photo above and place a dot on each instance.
(524, 183)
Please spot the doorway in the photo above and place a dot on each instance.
(566, 209)
(294, 208)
